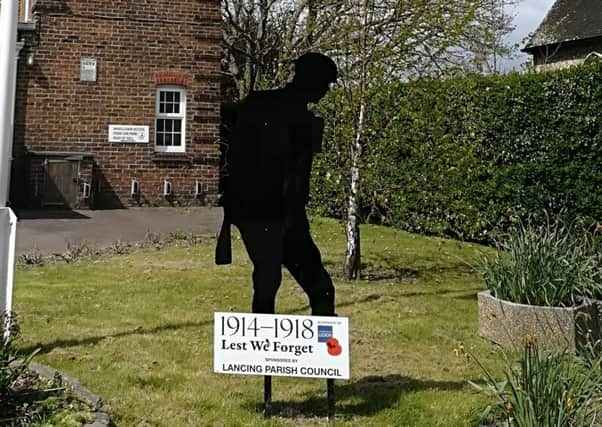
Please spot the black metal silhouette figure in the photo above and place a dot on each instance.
(267, 186)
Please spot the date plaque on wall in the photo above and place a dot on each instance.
(87, 70)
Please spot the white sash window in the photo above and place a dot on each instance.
(170, 125)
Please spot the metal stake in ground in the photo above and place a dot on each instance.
(267, 396)
(331, 399)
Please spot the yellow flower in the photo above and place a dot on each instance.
(460, 350)
(530, 340)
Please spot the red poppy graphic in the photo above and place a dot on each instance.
(334, 348)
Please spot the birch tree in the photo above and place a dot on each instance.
(380, 41)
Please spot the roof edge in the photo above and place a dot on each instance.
(529, 48)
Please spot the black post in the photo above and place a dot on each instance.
(267, 396)
(331, 399)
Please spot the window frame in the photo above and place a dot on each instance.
(162, 116)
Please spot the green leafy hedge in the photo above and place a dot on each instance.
(465, 157)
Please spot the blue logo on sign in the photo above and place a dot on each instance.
(324, 333)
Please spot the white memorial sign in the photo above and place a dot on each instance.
(128, 133)
(281, 345)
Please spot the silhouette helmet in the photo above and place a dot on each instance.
(314, 65)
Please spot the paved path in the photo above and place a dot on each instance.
(49, 231)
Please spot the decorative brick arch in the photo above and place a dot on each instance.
(175, 78)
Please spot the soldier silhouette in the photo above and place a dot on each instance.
(266, 188)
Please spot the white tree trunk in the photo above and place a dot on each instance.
(352, 268)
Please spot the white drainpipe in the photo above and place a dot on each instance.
(19, 46)
(26, 17)
(9, 13)
(8, 42)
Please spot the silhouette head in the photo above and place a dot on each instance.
(313, 74)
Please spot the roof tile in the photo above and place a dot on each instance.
(568, 20)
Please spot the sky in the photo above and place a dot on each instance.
(528, 14)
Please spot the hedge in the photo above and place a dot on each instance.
(465, 157)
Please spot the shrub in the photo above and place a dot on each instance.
(152, 239)
(543, 265)
(464, 157)
(75, 251)
(32, 257)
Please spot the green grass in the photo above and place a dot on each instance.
(137, 330)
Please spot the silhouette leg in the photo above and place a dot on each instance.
(263, 241)
(266, 281)
(264, 246)
(302, 258)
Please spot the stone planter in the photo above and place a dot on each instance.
(508, 324)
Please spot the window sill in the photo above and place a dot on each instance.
(172, 157)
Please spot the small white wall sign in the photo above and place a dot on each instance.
(128, 133)
(87, 70)
(281, 345)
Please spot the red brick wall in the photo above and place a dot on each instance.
(133, 42)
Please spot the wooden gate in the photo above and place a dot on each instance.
(60, 183)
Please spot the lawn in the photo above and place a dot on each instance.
(137, 330)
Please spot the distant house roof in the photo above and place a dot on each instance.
(568, 20)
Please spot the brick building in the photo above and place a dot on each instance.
(117, 103)
(570, 33)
